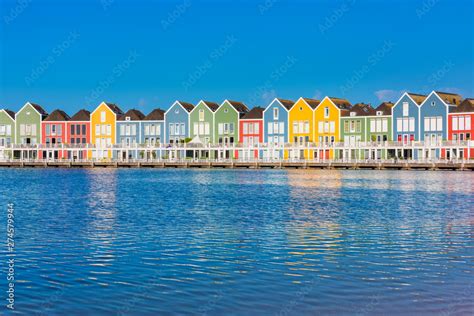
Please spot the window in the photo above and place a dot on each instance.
(326, 127)
(427, 124)
(73, 129)
(433, 103)
(281, 127)
(182, 129)
(301, 127)
(109, 130)
(103, 129)
(270, 128)
(332, 127)
(439, 123)
(399, 125)
(256, 129)
(231, 128)
(295, 127)
(326, 112)
(412, 124)
(384, 125)
(468, 122)
(176, 129)
(352, 114)
(176, 111)
(83, 129)
(147, 129)
(206, 129)
(461, 123)
(346, 126)
(171, 129)
(102, 116)
(379, 113)
(455, 123)
(306, 127)
(320, 127)
(47, 129)
(97, 130)
(405, 108)
(275, 113)
(201, 115)
(276, 129)
(245, 128)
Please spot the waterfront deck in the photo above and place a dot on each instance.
(237, 164)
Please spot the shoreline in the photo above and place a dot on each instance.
(403, 165)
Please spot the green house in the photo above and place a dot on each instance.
(354, 129)
(201, 120)
(379, 125)
(7, 131)
(226, 122)
(28, 124)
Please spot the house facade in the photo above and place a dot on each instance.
(379, 125)
(202, 121)
(327, 116)
(301, 126)
(433, 118)
(7, 128)
(79, 133)
(276, 128)
(177, 122)
(28, 127)
(251, 132)
(129, 127)
(461, 129)
(103, 129)
(406, 121)
(54, 134)
(354, 129)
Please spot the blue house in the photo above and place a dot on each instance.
(406, 121)
(153, 131)
(275, 123)
(129, 133)
(177, 122)
(434, 119)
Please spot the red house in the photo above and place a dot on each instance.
(251, 131)
(79, 128)
(53, 134)
(461, 127)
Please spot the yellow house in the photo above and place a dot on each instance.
(327, 117)
(103, 129)
(301, 125)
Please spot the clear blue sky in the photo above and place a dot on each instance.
(146, 54)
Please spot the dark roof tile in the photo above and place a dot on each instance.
(81, 115)
(239, 106)
(466, 106)
(313, 103)
(254, 114)
(133, 115)
(57, 115)
(155, 115)
(288, 104)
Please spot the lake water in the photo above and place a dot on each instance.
(240, 242)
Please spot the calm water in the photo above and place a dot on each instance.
(150, 242)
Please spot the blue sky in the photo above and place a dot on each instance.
(146, 54)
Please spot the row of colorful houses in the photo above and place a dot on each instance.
(431, 119)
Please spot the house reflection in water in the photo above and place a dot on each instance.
(314, 234)
(101, 231)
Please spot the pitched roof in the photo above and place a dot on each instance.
(155, 115)
(39, 109)
(57, 115)
(313, 103)
(81, 115)
(255, 113)
(133, 114)
(288, 104)
(360, 109)
(450, 98)
(211, 105)
(187, 106)
(418, 98)
(239, 106)
(114, 108)
(385, 108)
(466, 106)
(10, 112)
(342, 104)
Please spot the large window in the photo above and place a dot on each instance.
(405, 109)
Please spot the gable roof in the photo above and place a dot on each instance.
(449, 98)
(385, 108)
(58, 116)
(114, 108)
(238, 106)
(155, 115)
(466, 106)
(211, 105)
(10, 113)
(288, 104)
(418, 98)
(39, 109)
(81, 115)
(360, 109)
(342, 104)
(313, 103)
(187, 106)
(254, 114)
(133, 114)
